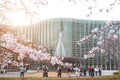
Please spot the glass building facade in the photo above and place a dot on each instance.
(46, 33)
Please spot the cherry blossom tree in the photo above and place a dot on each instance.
(16, 48)
(24, 47)
(19, 6)
(97, 5)
(106, 36)
(8, 6)
(19, 45)
(8, 57)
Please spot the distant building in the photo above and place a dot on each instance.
(46, 33)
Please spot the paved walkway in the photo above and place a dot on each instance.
(34, 73)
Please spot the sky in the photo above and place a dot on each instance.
(80, 10)
(65, 9)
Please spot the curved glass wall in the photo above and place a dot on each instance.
(46, 33)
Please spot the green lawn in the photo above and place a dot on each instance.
(112, 77)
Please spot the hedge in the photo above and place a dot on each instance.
(112, 77)
(116, 73)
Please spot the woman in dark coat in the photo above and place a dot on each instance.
(59, 71)
(45, 71)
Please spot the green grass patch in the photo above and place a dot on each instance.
(112, 77)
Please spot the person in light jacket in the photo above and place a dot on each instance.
(22, 71)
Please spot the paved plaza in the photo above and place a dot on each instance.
(34, 73)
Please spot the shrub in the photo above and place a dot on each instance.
(116, 73)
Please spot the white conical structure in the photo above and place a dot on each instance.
(60, 51)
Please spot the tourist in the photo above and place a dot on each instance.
(69, 72)
(84, 71)
(77, 71)
(22, 71)
(89, 70)
(100, 71)
(81, 71)
(96, 70)
(59, 71)
(45, 71)
(92, 71)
